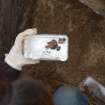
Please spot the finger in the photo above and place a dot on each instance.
(29, 61)
(18, 45)
(34, 62)
(27, 32)
(24, 34)
(31, 31)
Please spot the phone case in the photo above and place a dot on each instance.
(46, 47)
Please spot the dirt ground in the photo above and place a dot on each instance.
(86, 32)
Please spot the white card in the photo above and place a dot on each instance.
(46, 47)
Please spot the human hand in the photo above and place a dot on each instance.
(15, 58)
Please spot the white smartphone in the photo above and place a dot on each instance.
(46, 47)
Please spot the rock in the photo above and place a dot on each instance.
(98, 6)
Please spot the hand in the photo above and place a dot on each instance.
(15, 57)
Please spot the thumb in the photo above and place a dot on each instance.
(29, 61)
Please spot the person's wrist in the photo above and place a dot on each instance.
(12, 63)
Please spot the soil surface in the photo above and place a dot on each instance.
(86, 32)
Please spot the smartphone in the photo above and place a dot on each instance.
(46, 47)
